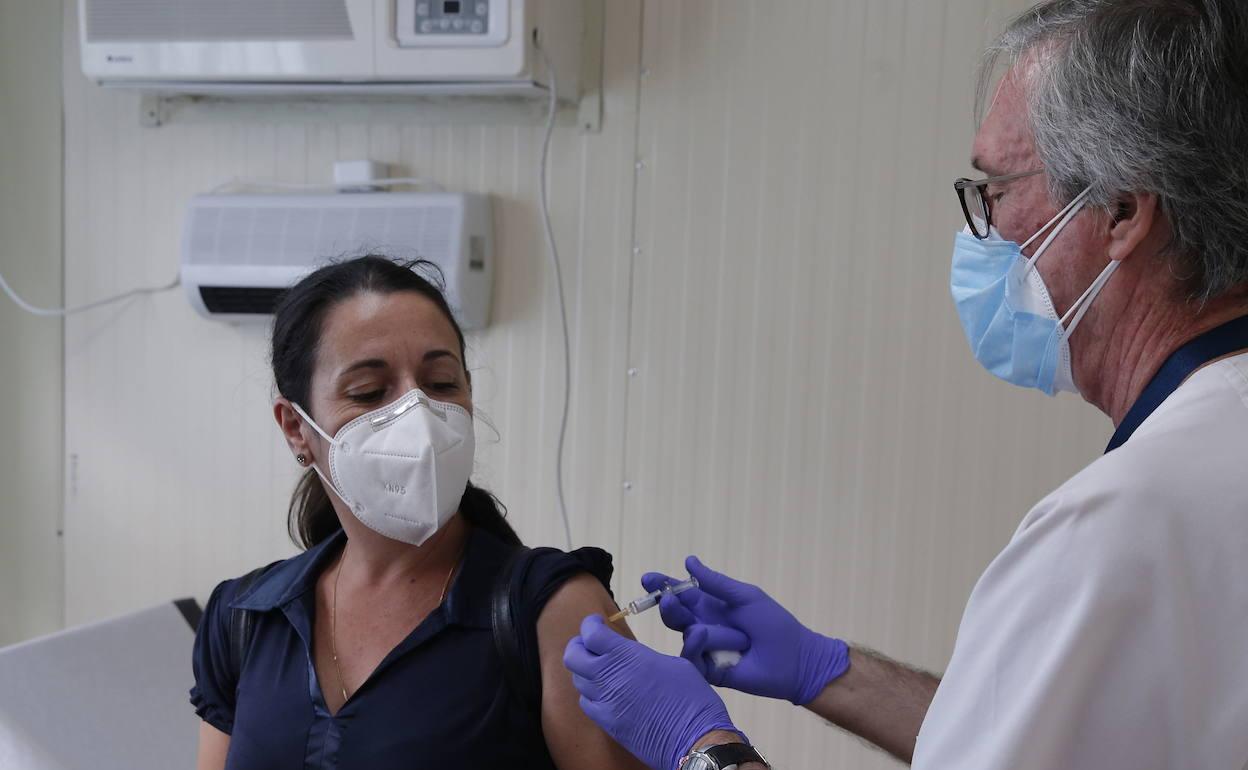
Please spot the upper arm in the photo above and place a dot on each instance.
(214, 745)
(573, 740)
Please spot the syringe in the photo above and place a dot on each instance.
(638, 606)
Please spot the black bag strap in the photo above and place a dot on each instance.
(524, 679)
(242, 623)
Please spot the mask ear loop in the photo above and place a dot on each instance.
(1061, 219)
(312, 422)
(1084, 302)
(332, 442)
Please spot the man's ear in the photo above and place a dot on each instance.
(291, 423)
(1133, 219)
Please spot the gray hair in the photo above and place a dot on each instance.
(1145, 96)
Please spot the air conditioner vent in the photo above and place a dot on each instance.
(181, 21)
(240, 300)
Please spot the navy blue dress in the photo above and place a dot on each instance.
(438, 699)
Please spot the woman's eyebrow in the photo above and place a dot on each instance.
(378, 363)
(367, 363)
(440, 353)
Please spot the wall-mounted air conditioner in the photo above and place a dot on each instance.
(240, 252)
(328, 46)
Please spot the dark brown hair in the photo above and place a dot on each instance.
(297, 326)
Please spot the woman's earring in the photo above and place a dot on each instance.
(301, 459)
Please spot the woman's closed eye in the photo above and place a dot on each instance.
(444, 387)
(374, 396)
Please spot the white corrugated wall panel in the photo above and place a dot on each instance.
(806, 414)
(30, 347)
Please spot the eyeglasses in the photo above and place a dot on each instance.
(975, 204)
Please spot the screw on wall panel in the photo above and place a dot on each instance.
(636, 251)
(628, 485)
(150, 111)
(640, 166)
(73, 476)
(632, 372)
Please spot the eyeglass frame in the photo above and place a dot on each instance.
(962, 183)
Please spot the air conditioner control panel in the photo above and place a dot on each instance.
(451, 23)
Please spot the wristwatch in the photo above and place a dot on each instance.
(725, 756)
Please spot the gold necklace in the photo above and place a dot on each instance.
(333, 615)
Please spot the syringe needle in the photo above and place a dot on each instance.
(617, 616)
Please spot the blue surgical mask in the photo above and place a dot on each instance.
(1006, 312)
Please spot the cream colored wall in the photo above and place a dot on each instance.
(806, 412)
(31, 595)
(768, 369)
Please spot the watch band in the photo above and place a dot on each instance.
(722, 757)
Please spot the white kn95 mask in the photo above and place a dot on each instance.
(402, 469)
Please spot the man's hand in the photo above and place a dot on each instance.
(875, 698)
(780, 658)
(654, 705)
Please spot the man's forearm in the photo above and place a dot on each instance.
(879, 700)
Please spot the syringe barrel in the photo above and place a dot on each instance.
(644, 603)
(651, 599)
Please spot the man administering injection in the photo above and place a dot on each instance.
(1105, 253)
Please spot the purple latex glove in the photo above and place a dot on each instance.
(654, 705)
(780, 658)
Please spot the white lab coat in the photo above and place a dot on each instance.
(1112, 631)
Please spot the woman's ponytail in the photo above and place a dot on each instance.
(311, 517)
(483, 510)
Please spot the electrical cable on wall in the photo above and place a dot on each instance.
(552, 251)
(233, 183)
(68, 311)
